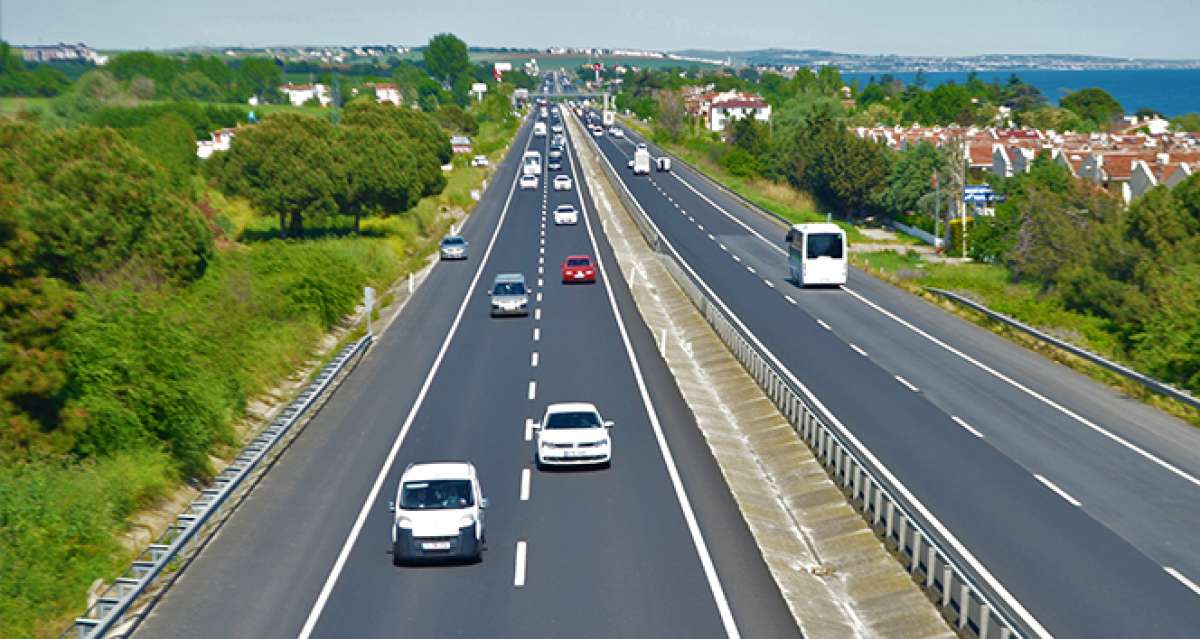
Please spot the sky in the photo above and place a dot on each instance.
(1155, 29)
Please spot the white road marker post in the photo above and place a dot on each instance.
(369, 303)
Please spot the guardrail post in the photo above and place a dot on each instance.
(964, 605)
(878, 504)
(985, 618)
(947, 584)
(930, 567)
(888, 519)
(916, 554)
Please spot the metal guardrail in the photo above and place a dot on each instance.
(113, 613)
(958, 594)
(1145, 380)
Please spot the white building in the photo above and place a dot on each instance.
(388, 92)
(299, 94)
(722, 108)
(219, 141)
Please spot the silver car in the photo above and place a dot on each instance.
(453, 247)
(509, 294)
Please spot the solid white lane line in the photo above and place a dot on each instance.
(685, 505)
(969, 428)
(1191, 585)
(533, 359)
(769, 283)
(789, 299)
(858, 350)
(824, 325)
(528, 429)
(1032, 393)
(519, 570)
(537, 334)
(339, 564)
(728, 214)
(955, 543)
(537, 314)
(525, 484)
(1058, 491)
(907, 384)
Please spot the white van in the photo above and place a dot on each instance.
(539, 129)
(817, 254)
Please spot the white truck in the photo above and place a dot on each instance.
(539, 129)
(609, 118)
(662, 164)
(641, 162)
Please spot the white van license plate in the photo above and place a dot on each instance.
(436, 545)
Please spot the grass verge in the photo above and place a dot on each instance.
(990, 285)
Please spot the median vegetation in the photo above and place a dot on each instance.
(146, 297)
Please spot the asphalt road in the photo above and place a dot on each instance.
(1076, 499)
(608, 552)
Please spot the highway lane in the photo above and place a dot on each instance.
(749, 274)
(1135, 469)
(607, 552)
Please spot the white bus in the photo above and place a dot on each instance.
(531, 163)
(817, 254)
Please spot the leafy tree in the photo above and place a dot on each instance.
(382, 174)
(287, 167)
(259, 77)
(845, 172)
(453, 118)
(144, 64)
(911, 177)
(195, 85)
(15, 80)
(1092, 104)
(1186, 122)
(169, 141)
(446, 58)
(672, 113)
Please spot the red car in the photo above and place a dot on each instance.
(578, 268)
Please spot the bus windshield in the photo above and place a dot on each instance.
(824, 245)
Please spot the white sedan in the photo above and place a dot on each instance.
(529, 182)
(562, 183)
(573, 434)
(566, 214)
(615, 132)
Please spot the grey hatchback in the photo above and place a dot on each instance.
(509, 294)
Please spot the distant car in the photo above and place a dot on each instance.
(578, 269)
(555, 154)
(662, 164)
(509, 295)
(438, 514)
(615, 132)
(556, 128)
(573, 434)
(598, 132)
(641, 145)
(453, 247)
(562, 183)
(529, 182)
(479, 160)
(566, 214)
(555, 165)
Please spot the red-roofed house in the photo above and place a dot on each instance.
(719, 109)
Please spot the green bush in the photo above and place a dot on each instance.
(58, 527)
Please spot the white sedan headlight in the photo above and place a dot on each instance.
(467, 520)
(404, 522)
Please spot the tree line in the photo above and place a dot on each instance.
(32, 81)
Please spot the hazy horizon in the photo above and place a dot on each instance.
(870, 27)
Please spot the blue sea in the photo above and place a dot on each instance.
(1171, 92)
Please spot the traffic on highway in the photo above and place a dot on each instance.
(535, 467)
(954, 413)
